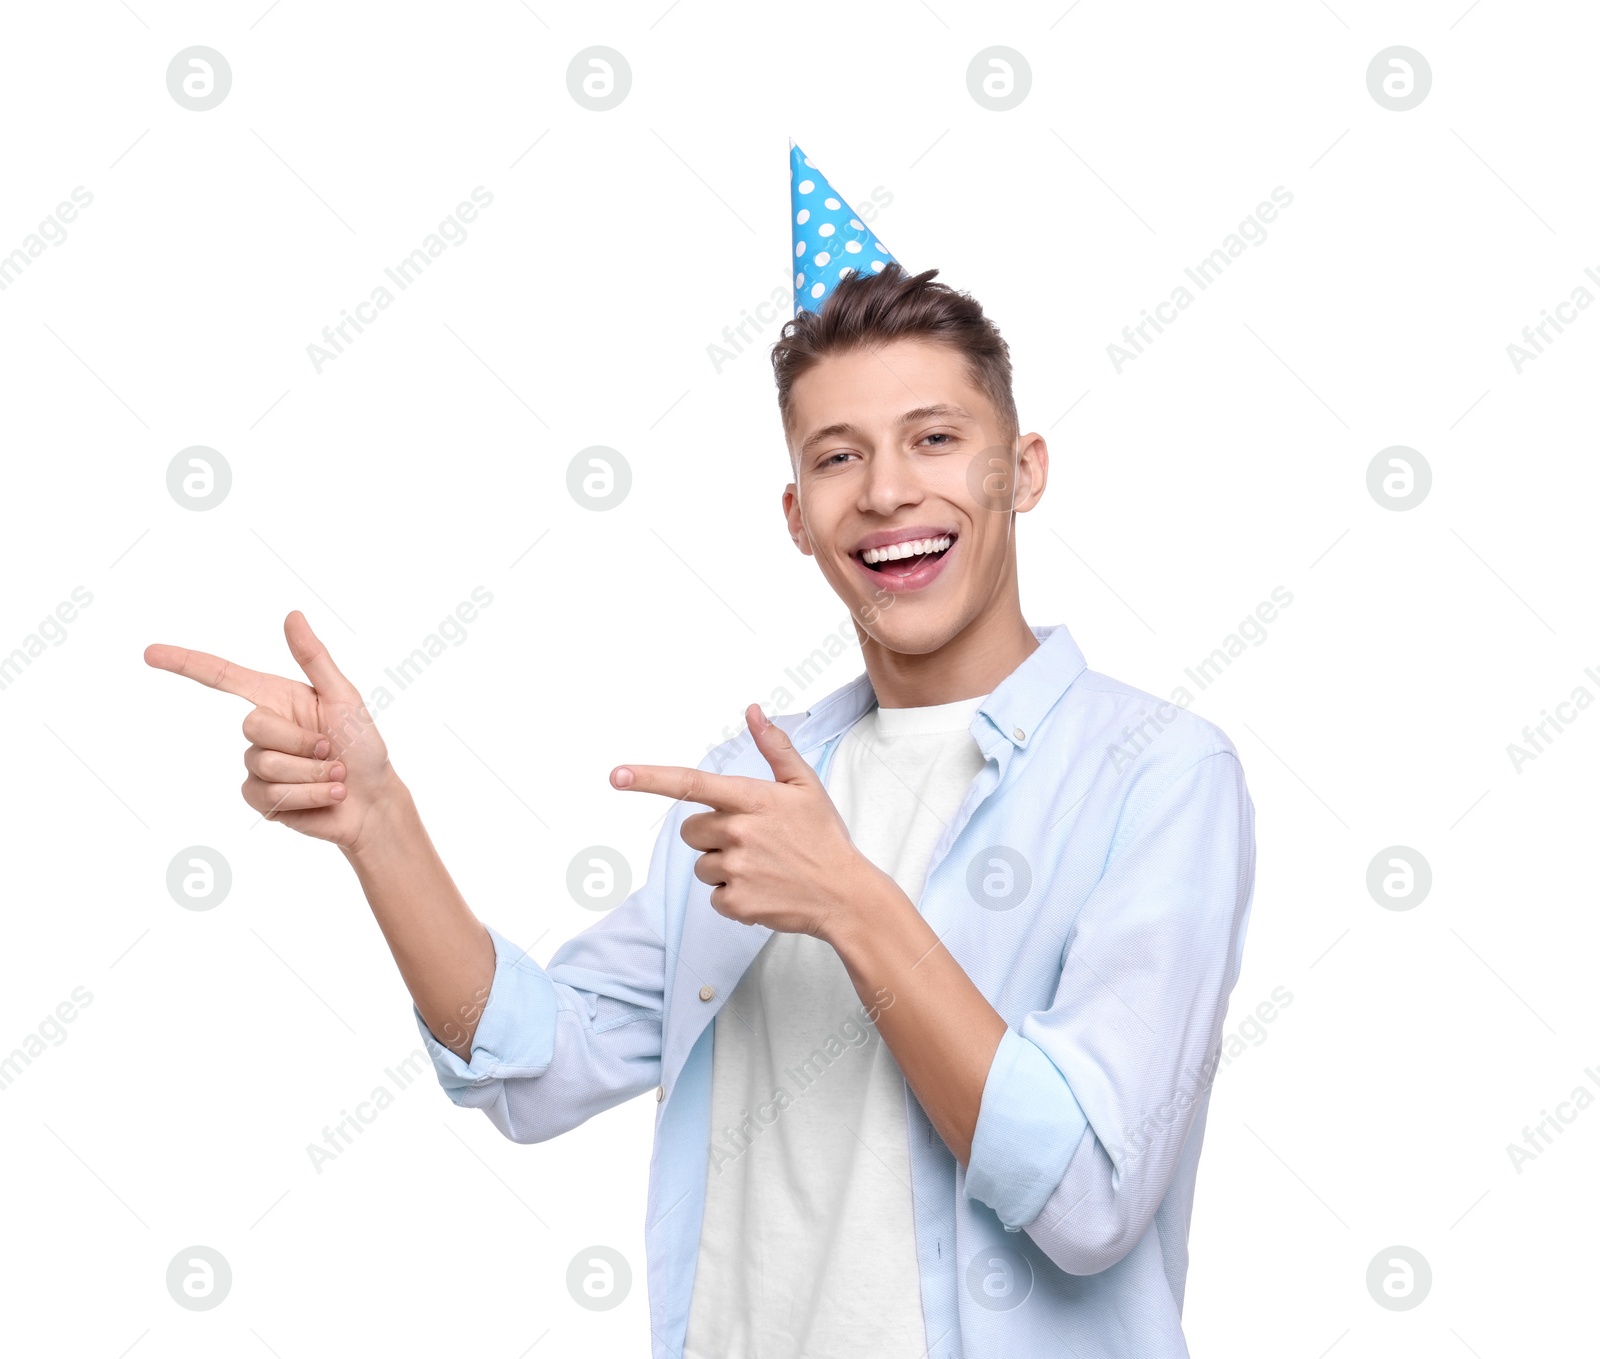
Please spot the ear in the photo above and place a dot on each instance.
(1033, 470)
(791, 514)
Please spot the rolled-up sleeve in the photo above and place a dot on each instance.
(1029, 1124)
(516, 1034)
(1088, 1104)
(558, 1044)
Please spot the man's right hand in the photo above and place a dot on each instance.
(316, 761)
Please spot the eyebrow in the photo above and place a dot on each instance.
(913, 417)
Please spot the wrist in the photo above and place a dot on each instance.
(869, 909)
(390, 821)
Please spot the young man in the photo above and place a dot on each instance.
(932, 995)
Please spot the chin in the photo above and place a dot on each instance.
(908, 629)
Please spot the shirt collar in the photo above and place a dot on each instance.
(1015, 709)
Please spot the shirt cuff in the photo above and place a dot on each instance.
(1029, 1126)
(516, 1032)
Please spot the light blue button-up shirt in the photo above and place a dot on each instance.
(1094, 883)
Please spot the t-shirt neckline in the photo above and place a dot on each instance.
(927, 720)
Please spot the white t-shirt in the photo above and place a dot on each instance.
(808, 1246)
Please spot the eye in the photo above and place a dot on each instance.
(828, 461)
(946, 438)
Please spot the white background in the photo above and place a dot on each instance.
(430, 457)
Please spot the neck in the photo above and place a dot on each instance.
(971, 663)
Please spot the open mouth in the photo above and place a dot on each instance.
(906, 559)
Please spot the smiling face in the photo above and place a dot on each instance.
(903, 490)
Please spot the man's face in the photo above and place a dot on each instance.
(898, 445)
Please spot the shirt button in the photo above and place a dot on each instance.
(1019, 733)
(661, 1093)
(1013, 1229)
(706, 992)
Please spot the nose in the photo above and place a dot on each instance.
(891, 482)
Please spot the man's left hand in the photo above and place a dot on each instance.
(776, 853)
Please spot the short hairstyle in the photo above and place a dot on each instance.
(867, 310)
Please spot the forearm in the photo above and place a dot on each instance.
(444, 953)
(940, 1028)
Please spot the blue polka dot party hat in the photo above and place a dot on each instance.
(830, 241)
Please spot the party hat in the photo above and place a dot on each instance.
(831, 241)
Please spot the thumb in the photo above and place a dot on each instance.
(775, 746)
(326, 678)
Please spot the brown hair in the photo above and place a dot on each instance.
(866, 310)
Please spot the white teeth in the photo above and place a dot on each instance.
(916, 548)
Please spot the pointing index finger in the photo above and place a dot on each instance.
(212, 671)
(724, 792)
